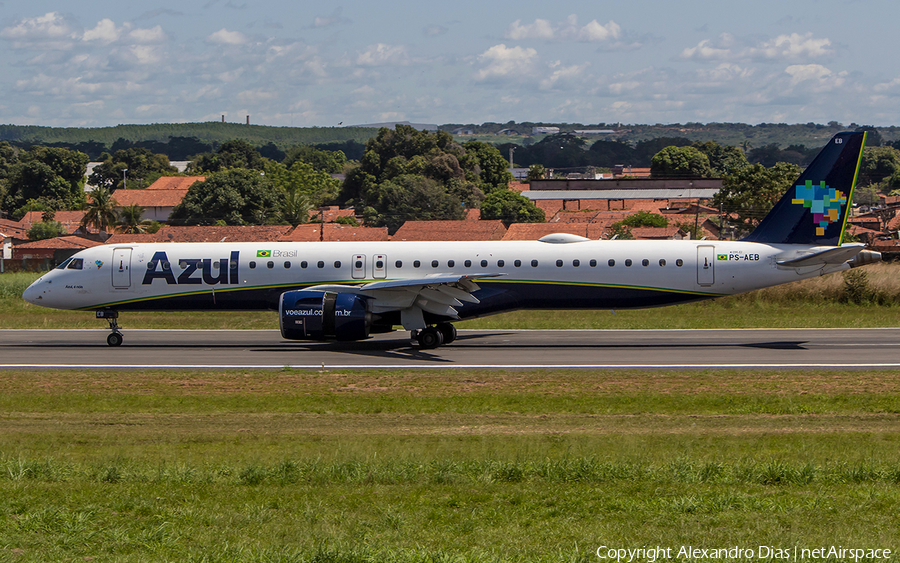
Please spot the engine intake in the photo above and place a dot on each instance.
(323, 315)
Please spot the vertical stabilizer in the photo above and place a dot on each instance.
(814, 210)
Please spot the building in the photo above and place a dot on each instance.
(451, 230)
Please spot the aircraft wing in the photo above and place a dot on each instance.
(827, 256)
(437, 294)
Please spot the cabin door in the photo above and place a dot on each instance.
(379, 266)
(706, 260)
(121, 268)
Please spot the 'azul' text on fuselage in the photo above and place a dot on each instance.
(226, 273)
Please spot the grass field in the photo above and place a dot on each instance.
(464, 466)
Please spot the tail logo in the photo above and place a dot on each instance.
(823, 202)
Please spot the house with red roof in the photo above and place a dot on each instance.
(492, 229)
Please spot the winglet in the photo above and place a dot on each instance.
(814, 209)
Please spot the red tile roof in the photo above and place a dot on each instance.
(58, 243)
(13, 229)
(654, 233)
(334, 232)
(451, 230)
(250, 233)
(534, 231)
(329, 214)
(519, 186)
(175, 182)
(473, 215)
(149, 198)
(70, 220)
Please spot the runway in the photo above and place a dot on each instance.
(482, 349)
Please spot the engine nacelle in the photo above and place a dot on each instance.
(323, 315)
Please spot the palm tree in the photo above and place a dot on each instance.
(100, 210)
(295, 209)
(130, 221)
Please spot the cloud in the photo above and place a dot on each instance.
(817, 76)
(784, 47)
(330, 21)
(568, 30)
(52, 30)
(501, 61)
(381, 54)
(225, 37)
(434, 30)
(104, 32)
(563, 77)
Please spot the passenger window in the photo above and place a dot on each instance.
(500, 263)
(450, 263)
(628, 263)
(468, 263)
(337, 264)
(434, 263)
(662, 261)
(379, 264)
(679, 262)
(576, 263)
(358, 265)
(611, 262)
(233, 265)
(76, 264)
(559, 263)
(484, 263)
(252, 265)
(320, 264)
(645, 262)
(304, 264)
(216, 266)
(270, 265)
(534, 263)
(166, 266)
(517, 263)
(593, 263)
(182, 264)
(416, 264)
(287, 265)
(398, 264)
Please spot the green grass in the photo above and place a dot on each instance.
(465, 466)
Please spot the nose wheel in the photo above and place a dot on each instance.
(115, 337)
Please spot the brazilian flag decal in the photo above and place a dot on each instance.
(263, 253)
(721, 257)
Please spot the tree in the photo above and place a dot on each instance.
(536, 172)
(331, 162)
(511, 207)
(46, 229)
(53, 175)
(318, 187)
(235, 196)
(723, 159)
(232, 154)
(100, 210)
(680, 161)
(879, 163)
(645, 219)
(748, 194)
(143, 168)
(411, 197)
(131, 220)
(489, 168)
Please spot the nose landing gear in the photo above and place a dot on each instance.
(115, 337)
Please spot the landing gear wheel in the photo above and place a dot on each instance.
(114, 339)
(430, 338)
(448, 331)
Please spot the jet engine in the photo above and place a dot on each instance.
(323, 315)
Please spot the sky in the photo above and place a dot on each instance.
(300, 63)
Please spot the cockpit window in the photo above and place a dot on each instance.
(76, 264)
(64, 264)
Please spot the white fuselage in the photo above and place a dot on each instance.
(531, 274)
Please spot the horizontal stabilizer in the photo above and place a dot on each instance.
(824, 257)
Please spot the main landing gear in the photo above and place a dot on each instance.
(433, 336)
(115, 337)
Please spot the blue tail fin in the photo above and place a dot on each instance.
(814, 210)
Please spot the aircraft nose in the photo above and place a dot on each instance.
(33, 293)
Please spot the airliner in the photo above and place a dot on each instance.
(346, 291)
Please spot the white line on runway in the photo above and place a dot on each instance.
(453, 366)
